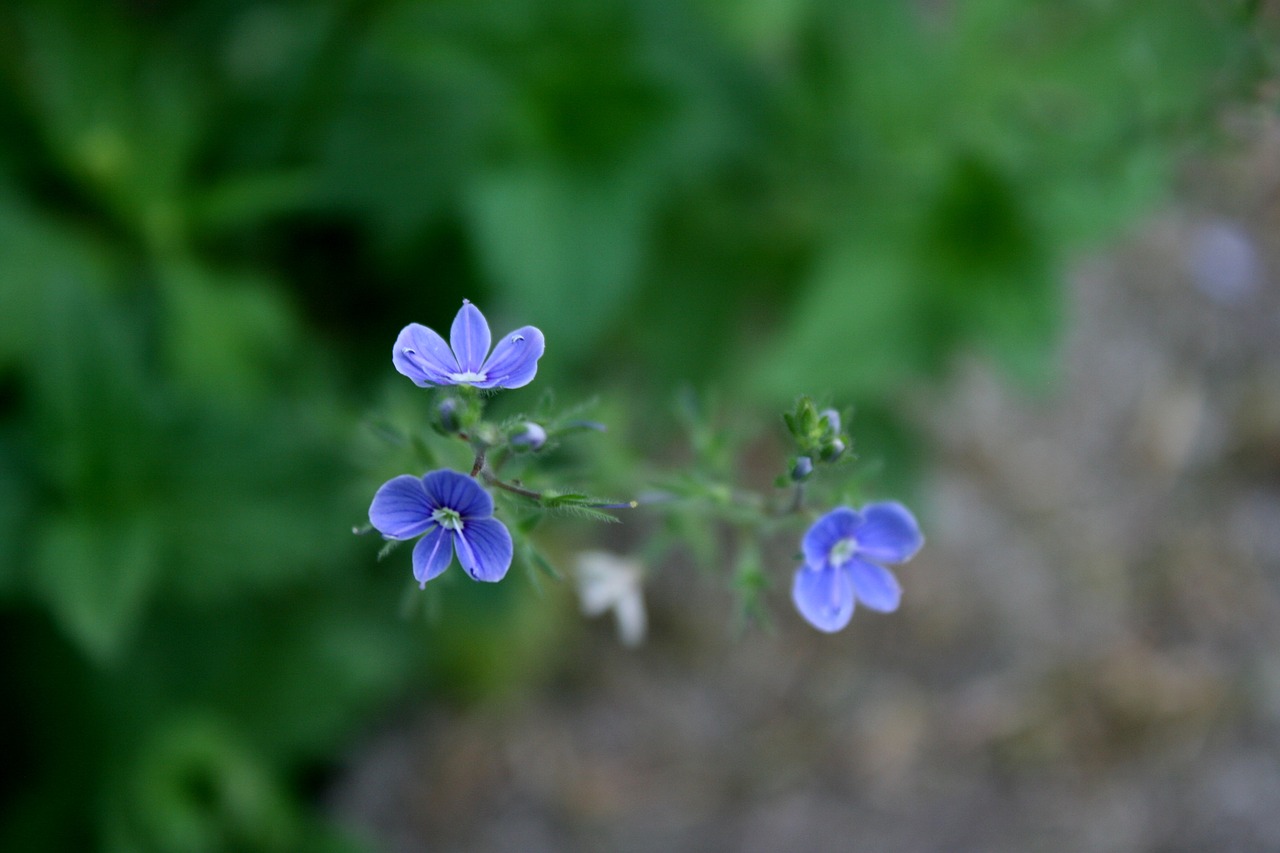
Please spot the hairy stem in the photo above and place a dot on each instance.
(494, 481)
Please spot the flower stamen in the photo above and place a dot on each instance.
(843, 551)
(447, 518)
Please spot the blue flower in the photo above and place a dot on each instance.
(453, 515)
(424, 357)
(843, 551)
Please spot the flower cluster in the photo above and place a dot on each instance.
(451, 515)
(818, 438)
(451, 511)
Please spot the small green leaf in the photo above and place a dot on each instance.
(230, 336)
(96, 576)
(555, 499)
(422, 452)
(560, 238)
(584, 511)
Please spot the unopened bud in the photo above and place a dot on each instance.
(833, 420)
(530, 436)
(832, 450)
(447, 415)
(802, 469)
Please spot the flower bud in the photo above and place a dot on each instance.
(447, 416)
(833, 420)
(529, 436)
(802, 469)
(832, 450)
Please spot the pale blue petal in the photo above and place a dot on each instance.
(470, 338)
(484, 549)
(514, 361)
(874, 586)
(400, 508)
(423, 356)
(822, 536)
(432, 555)
(824, 597)
(889, 533)
(458, 492)
(531, 436)
(833, 419)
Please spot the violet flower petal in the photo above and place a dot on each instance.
(470, 339)
(401, 508)
(889, 533)
(432, 555)
(485, 549)
(458, 492)
(824, 597)
(423, 356)
(874, 586)
(514, 361)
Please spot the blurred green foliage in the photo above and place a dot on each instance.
(215, 216)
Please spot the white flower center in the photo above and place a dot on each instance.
(447, 518)
(843, 551)
(468, 376)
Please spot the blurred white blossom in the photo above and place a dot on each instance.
(609, 582)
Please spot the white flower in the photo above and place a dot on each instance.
(609, 582)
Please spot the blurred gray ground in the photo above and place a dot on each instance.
(1086, 658)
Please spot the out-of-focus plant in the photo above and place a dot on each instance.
(213, 214)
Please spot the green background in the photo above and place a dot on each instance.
(216, 216)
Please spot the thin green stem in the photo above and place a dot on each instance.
(797, 500)
(503, 455)
(517, 490)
